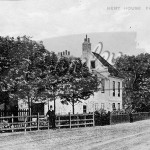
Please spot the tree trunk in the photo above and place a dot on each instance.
(29, 105)
(54, 105)
(48, 104)
(73, 106)
(5, 109)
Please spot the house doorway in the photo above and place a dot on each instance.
(37, 108)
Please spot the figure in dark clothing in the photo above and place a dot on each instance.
(51, 117)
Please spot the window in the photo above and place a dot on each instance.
(113, 106)
(118, 106)
(113, 88)
(92, 64)
(96, 106)
(102, 105)
(84, 108)
(102, 86)
(118, 89)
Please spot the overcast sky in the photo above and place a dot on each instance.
(51, 18)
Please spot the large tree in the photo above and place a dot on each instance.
(56, 69)
(22, 69)
(136, 72)
(79, 84)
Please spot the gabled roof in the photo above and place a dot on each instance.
(113, 72)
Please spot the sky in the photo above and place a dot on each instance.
(42, 19)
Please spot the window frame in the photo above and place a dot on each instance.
(113, 88)
(119, 89)
(102, 85)
(118, 106)
(92, 61)
(85, 109)
(102, 106)
(113, 106)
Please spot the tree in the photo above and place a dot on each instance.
(30, 70)
(55, 70)
(23, 67)
(79, 84)
(136, 70)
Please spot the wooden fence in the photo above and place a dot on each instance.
(132, 117)
(140, 116)
(77, 120)
(119, 118)
(37, 122)
(20, 113)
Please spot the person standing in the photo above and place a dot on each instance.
(51, 117)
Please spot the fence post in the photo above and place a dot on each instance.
(12, 120)
(70, 119)
(25, 125)
(85, 119)
(93, 120)
(48, 122)
(110, 118)
(78, 120)
(30, 122)
(59, 121)
(38, 122)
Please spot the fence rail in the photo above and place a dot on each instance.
(36, 122)
(77, 120)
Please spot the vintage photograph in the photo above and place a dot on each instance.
(74, 74)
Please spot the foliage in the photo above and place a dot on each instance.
(29, 72)
(102, 117)
(136, 71)
(121, 111)
(24, 59)
(79, 84)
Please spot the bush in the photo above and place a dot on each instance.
(102, 117)
(117, 112)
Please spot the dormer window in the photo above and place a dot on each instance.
(93, 64)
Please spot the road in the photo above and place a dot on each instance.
(128, 136)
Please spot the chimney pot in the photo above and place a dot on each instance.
(66, 52)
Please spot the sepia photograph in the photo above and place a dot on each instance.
(74, 74)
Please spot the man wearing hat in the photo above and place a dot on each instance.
(51, 116)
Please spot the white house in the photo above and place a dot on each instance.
(110, 95)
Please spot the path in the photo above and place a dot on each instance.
(133, 136)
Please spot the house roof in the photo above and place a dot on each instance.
(113, 71)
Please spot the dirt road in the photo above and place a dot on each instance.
(132, 136)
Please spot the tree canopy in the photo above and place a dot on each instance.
(30, 72)
(136, 72)
(80, 84)
(21, 65)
